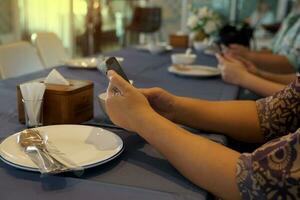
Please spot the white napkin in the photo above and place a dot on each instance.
(32, 94)
(55, 77)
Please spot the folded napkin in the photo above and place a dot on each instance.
(32, 94)
(55, 77)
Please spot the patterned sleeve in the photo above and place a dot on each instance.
(273, 170)
(280, 114)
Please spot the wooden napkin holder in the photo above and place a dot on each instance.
(62, 104)
(179, 41)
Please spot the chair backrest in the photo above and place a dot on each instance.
(146, 19)
(50, 48)
(18, 59)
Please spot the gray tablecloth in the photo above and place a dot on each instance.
(140, 172)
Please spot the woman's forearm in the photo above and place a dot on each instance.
(278, 78)
(271, 62)
(236, 119)
(260, 86)
(207, 164)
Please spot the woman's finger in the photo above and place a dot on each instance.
(227, 62)
(145, 91)
(235, 46)
(233, 59)
(245, 61)
(116, 81)
(230, 57)
(221, 67)
(112, 91)
(220, 58)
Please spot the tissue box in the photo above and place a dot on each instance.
(62, 104)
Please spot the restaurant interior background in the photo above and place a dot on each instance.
(71, 19)
(95, 30)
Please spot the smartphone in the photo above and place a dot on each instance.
(224, 48)
(113, 64)
(221, 48)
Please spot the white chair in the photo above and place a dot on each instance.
(50, 48)
(18, 59)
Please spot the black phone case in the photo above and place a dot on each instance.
(113, 64)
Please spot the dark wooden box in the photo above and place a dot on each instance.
(179, 41)
(71, 104)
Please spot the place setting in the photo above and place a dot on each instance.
(60, 148)
(183, 65)
(154, 47)
(52, 143)
(88, 63)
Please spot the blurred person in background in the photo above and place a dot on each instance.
(265, 72)
(284, 56)
(262, 15)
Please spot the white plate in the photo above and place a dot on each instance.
(195, 71)
(86, 146)
(144, 47)
(87, 63)
(210, 52)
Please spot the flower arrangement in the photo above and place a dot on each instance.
(204, 23)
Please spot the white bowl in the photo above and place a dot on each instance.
(156, 48)
(102, 99)
(200, 46)
(183, 59)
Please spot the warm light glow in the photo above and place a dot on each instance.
(33, 37)
(47, 16)
(96, 5)
(80, 7)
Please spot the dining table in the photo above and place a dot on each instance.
(140, 172)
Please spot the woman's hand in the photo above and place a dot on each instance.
(238, 50)
(251, 67)
(233, 70)
(161, 101)
(125, 105)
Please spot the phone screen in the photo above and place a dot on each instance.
(219, 49)
(113, 64)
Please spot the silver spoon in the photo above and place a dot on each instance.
(33, 142)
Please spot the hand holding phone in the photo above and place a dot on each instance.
(113, 64)
(221, 48)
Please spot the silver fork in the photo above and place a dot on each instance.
(43, 161)
(35, 147)
(64, 164)
(43, 148)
